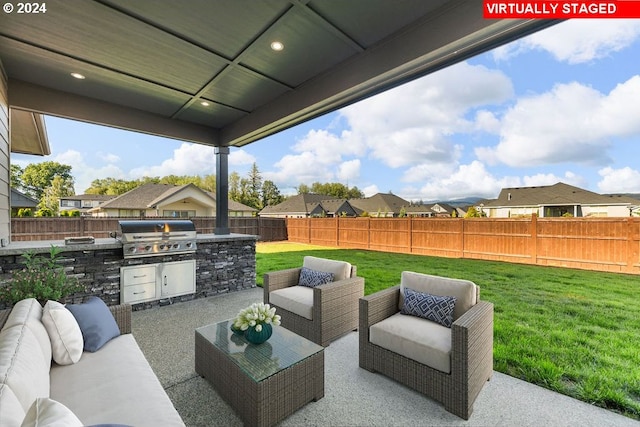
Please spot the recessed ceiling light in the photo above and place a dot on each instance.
(77, 76)
(204, 103)
(277, 46)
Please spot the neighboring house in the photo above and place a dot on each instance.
(236, 209)
(379, 205)
(164, 200)
(555, 201)
(386, 205)
(22, 201)
(83, 202)
(310, 205)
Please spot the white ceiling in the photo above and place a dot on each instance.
(148, 64)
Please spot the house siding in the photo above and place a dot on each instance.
(5, 150)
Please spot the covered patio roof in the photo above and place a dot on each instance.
(205, 71)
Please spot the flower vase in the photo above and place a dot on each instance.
(255, 337)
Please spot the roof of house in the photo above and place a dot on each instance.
(21, 200)
(141, 197)
(556, 194)
(383, 202)
(233, 205)
(97, 197)
(149, 195)
(300, 203)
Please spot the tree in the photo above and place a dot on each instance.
(270, 194)
(60, 187)
(254, 188)
(16, 177)
(472, 212)
(334, 189)
(38, 176)
(234, 186)
(303, 189)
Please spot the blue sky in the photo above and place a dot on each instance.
(560, 105)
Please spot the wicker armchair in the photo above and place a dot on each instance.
(471, 347)
(333, 310)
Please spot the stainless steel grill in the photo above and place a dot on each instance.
(143, 238)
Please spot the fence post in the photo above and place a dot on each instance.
(337, 230)
(632, 245)
(410, 230)
(462, 231)
(533, 232)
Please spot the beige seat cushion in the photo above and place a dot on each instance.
(418, 339)
(465, 291)
(114, 385)
(341, 270)
(296, 299)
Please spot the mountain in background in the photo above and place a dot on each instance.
(457, 203)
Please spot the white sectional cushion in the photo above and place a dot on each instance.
(47, 412)
(341, 270)
(464, 290)
(12, 413)
(419, 339)
(114, 385)
(64, 333)
(22, 366)
(29, 311)
(296, 299)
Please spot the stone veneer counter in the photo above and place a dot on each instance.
(224, 263)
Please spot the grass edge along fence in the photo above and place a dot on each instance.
(601, 244)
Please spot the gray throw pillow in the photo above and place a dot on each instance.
(96, 322)
(313, 278)
(436, 308)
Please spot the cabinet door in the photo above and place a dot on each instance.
(178, 278)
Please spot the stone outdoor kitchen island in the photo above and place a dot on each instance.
(223, 263)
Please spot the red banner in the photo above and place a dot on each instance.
(496, 9)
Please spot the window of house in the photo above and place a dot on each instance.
(69, 203)
(179, 214)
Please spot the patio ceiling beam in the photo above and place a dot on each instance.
(31, 97)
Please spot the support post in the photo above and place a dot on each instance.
(222, 190)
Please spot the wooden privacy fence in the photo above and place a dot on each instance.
(602, 244)
(57, 228)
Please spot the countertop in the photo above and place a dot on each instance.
(44, 246)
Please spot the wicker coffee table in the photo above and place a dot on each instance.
(263, 383)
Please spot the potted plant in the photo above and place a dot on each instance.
(41, 278)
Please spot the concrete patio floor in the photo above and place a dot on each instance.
(353, 396)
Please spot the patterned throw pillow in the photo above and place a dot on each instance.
(432, 307)
(313, 278)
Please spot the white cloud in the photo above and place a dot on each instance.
(475, 180)
(570, 123)
(84, 173)
(188, 159)
(577, 40)
(320, 157)
(624, 180)
(108, 157)
(411, 124)
(348, 171)
(370, 190)
(240, 157)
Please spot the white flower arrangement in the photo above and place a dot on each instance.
(256, 315)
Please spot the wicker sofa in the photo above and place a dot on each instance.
(113, 385)
(320, 314)
(456, 362)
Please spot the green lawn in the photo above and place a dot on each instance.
(576, 332)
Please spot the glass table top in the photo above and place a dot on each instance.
(259, 361)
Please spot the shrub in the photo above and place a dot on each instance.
(42, 278)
